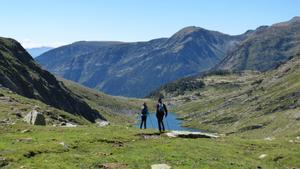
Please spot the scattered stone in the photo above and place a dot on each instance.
(30, 154)
(26, 131)
(160, 166)
(112, 166)
(3, 162)
(64, 145)
(278, 158)
(25, 140)
(35, 118)
(262, 156)
(269, 138)
(5, 121)
(189, 134)
(102, 123)
(66, 124)
(18, 115)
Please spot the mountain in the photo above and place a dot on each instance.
(34, 52)
(250, 103)
(21, 74)
(265, 48)
(135, 69)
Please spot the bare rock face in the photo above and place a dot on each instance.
(35, 118)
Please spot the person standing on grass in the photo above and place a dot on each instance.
(161, 111)
(144, 114)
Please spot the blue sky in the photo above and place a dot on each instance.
(57, 22)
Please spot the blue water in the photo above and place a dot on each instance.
(171, 122)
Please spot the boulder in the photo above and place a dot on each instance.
(3, 162)
(190, 134)
(102, 123)
(160, 166)
(35, 118)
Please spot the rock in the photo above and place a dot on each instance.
(3, 162)
(262, 156)
(269, 138)
(36, 118)
(66, 124)
(160, 166)
(112, 165)
(30, 154)
(189, 134)
(64, 145)
(102, 123)
(26, 131)
(25, 140)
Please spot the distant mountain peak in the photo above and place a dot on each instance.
(188, 30)
(295, 19)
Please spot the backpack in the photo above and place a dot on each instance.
(145, 111)
(161, 107)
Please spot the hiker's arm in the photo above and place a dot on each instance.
(156, 108)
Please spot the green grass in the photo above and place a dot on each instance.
(231, 103)
(89, 147)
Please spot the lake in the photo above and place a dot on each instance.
(171, 122)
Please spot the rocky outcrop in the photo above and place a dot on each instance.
(35, 118)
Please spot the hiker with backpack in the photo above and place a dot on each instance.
(161, 111)
(144, 114)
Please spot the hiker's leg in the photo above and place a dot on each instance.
(158, 122)
(162, 123)
(141, 123)
(145, 122)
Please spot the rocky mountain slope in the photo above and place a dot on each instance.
(266, 48)
(135, 69)
(250, 104)
(20, 73)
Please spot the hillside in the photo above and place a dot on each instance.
(266, 48)
(249, 104)
(20, 73)
(141, 66)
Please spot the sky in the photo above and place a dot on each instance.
(53, 23)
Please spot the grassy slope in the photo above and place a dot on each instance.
(12, 104)
(236, 103)
(118, 110)
(89, 147)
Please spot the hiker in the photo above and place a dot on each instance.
(161, 111)
(144, 114)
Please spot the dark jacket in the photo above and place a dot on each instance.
(145, 111)
(161, 112)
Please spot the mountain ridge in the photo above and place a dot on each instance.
(140, 66)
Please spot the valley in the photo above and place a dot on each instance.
(241, 92)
